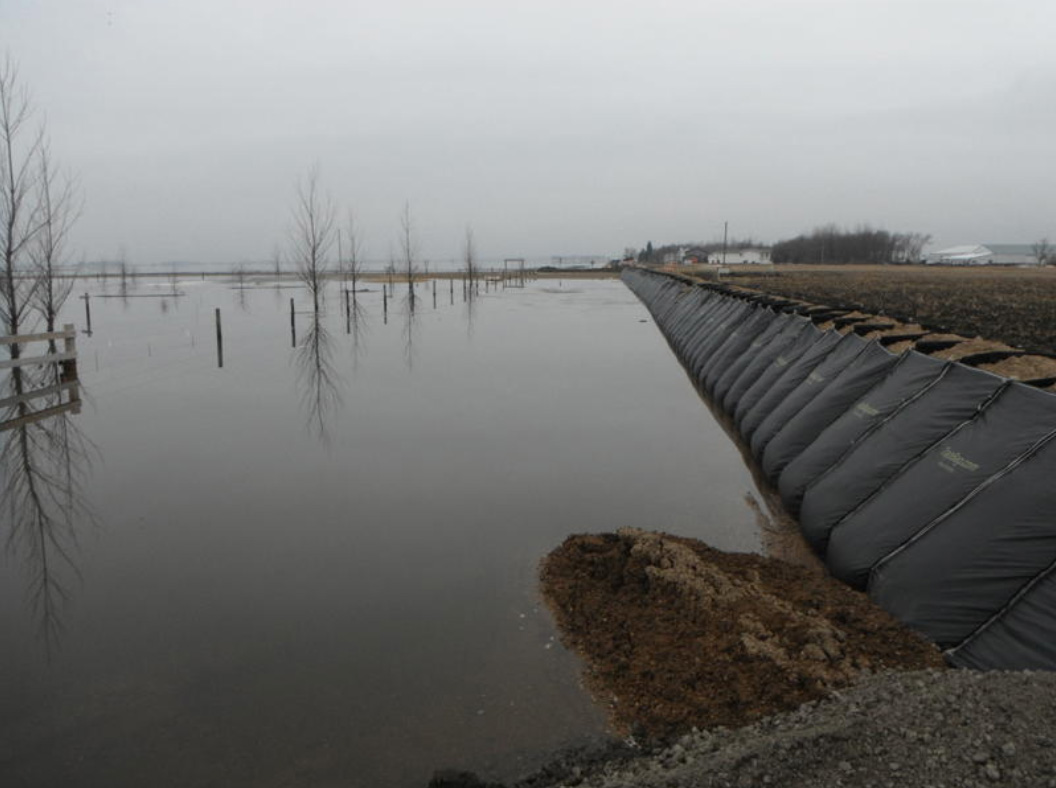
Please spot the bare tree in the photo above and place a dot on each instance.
(277, 261)
(19, 208)
(354, 261)
(408, 250)
(909, 247)
(39, 468)
(312, 235)
(469, 256)
(390, 269)
(1043, 251)
(57, 210)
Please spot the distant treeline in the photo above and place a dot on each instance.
(830, 244)
(826, 244)
(659, 254)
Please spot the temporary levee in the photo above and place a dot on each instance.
(61, 387)
(925, 482)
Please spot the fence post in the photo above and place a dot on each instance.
(88, 312)
(219, 341)
(69, 368)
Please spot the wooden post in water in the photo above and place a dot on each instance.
(293, 326)
(219, 341)
(69, 368)
(88, 312)
(385, 302)
(434, 294)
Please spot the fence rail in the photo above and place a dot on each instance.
(16, 407)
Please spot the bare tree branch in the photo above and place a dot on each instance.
(312, 235)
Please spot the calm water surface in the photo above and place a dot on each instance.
(316, 564)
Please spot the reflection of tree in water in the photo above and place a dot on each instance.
(357, 324)
(472, 296)
(240, 289)
(44, 468)
(410, 325)
(318, 377)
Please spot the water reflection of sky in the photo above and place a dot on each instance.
(260, 606)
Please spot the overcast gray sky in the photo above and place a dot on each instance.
(552, 127)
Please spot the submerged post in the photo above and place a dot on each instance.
(293, 325)
(88, 312)
(219, 341)
(69, 367)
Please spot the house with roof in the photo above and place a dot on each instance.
(753, 254)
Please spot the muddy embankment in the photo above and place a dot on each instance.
(676, 635)
(920, 472)
(740, 670)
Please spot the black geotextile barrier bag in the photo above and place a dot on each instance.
(726, 321)
(949, 578)
(908, 432)
(702, 327)
(907, 379)
(782, 329)
(757, 321)
(830, 402)
(701, 315)
(676, 313)
(772, 363)
(814, 381)
(693, 308)
(1018, 637)
(1010, 425)
(701, 335)
(769, 391)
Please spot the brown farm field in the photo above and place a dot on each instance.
(1013, 305)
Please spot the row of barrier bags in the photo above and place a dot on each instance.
(925, 482)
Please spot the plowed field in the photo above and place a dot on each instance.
(1014, 305)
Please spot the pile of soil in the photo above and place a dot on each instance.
(676, 635)
(970, 347)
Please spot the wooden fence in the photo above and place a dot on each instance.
(67, 379)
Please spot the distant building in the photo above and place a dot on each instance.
(754, 254)
(984, 254)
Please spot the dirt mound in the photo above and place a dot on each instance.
(677, 635)
(1028, 367)
(970, 347)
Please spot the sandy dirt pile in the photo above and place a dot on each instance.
(970, 347)
(1028, 367)
(676, 635)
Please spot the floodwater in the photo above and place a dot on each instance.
(315, 565)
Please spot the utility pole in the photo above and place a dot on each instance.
(725, 230)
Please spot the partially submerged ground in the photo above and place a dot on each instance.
(676, 635)
(772, 674)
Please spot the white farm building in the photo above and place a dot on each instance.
(758, 254)
(985, 254)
